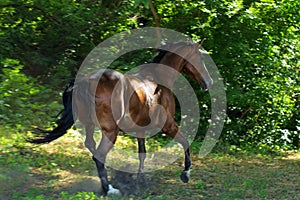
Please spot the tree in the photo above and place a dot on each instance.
(254, 44)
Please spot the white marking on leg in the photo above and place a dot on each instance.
(113, 191)
(188, 172)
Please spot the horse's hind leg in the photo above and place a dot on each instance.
(172, 130)
(142, 153)
(107, 142)
(142, 157)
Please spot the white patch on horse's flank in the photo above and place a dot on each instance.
(113, 191)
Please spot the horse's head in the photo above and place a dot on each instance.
(193, 64)
(183, 57)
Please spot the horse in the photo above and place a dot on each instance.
(117, 102)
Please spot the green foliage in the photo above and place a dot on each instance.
(79, 196)
(22, 101)
(260, 64)
(143, 2)
(46, 35)
(254, 44)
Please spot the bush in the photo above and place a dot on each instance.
(23, 102)
(256, 48)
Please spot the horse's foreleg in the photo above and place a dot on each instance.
(185, 174)
(142, 156)
(89, 138)
(174, 132)
(99, 157)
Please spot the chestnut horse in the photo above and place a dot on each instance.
(130, 103)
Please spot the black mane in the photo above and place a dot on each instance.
(162, 53)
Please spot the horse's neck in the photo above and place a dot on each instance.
(164, 73)
(169, 68)
(173, 61)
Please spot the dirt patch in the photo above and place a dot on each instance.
(16, 181)
(88, 184)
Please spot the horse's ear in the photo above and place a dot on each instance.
(200, 42)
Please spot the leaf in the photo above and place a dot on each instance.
(144, 2)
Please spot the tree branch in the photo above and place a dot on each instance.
(154, 13)
(157, 22)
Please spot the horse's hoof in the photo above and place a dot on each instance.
(185, 176)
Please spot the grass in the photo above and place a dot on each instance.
(64, 170)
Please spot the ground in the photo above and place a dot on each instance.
(64, 170)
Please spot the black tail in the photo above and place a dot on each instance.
(63, 124)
